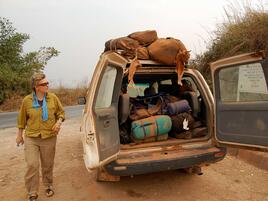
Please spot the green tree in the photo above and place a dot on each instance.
(16, 67)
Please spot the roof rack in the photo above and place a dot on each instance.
(150, 63)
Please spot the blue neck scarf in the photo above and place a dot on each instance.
(44, 106)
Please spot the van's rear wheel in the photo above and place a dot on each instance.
(194, 170)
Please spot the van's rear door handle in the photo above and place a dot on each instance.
(105, 115)
(106, 123)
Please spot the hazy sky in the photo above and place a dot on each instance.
(79, 28)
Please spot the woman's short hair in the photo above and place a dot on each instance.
(36, 78)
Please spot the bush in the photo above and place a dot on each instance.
(240, 33)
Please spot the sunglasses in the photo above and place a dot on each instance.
(44, 84)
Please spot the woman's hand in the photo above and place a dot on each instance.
(19, 139)
(57, 125)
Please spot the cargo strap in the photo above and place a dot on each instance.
(134, 66)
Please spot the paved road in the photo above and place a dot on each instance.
(8, 119)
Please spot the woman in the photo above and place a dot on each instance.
(41, 115)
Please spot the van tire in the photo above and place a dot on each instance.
(194, 170)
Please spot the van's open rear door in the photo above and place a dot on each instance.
(101, 131)
(241, 101)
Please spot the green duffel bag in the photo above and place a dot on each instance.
(154, 128)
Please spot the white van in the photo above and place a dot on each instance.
(236, 116)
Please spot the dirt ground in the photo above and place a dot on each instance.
(228, 180)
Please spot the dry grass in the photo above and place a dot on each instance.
(243, 30)
(69, 96)
(11, 104)
(66, 96)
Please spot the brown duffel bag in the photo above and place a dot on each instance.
(144, 38)
(128, 46)
(170, 51)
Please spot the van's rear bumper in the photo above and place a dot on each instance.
(134, 164)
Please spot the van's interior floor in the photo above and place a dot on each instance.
(168, 142)
(163, 154)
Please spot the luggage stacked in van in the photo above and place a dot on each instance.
(163, 116)
(159, 116)
(148, 121)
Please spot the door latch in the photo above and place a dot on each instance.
(90, 139)
(106, 123)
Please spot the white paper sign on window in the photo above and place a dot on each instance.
(251, 79)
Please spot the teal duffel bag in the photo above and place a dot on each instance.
(154, 128)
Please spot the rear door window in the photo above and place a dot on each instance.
(244, 83)
(105, 93)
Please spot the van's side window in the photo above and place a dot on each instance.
(106, 89)
(243, 83)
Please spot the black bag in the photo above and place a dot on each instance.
(181, 123)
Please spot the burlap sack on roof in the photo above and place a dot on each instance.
(144, 38)
(170, 51)
(165, 50)
(142, 53)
